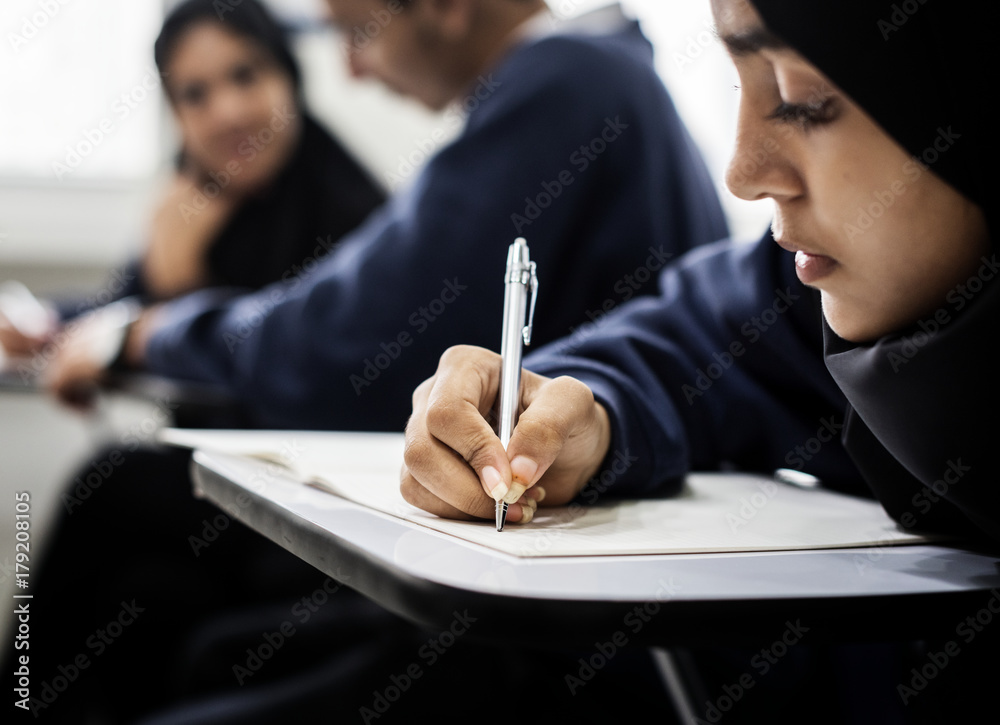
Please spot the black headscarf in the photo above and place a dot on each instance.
(321, 194)
(248, 18)
(922, 422)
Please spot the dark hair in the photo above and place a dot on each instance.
(248, 18)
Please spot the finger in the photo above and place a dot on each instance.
(17, 343)
(536, 493)
(552, 424)
(464, 390)
(415, 494)
(73, 382)
(79, 393)
(438, 468)
(444, 474)
(81, 396)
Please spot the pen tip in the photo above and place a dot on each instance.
(501, 514)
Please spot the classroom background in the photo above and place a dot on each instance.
(70, 213)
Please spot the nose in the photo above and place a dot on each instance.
(762, 165)
(229, 107)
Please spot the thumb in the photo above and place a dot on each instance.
(560, 411)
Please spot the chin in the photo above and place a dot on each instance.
(851, 323)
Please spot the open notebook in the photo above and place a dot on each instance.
(714, 513)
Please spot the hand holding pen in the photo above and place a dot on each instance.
(455, 464)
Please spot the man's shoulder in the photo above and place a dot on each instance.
(587, 60)
(581, 75)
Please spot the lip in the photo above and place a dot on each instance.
(810, 267)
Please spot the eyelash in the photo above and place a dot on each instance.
(804, 115)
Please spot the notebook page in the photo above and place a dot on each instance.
(714, 513)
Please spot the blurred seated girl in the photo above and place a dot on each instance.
(260, 191)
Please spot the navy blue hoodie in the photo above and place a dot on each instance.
(571, 141)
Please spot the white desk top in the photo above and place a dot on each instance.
(415, 571)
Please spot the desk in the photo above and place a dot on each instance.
(861, 594)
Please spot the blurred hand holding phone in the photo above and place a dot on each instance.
(26, 324)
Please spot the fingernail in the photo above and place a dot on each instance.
(524, 469)
(527, 514)
(537, 493)
(494, 482)
(516, 491)
(532, 504)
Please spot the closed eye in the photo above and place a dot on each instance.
(805, 115)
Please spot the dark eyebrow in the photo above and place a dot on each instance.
(752, 41)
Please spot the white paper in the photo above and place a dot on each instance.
(714, 513)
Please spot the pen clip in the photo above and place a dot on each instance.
(533, 284)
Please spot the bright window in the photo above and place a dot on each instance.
(80, 92)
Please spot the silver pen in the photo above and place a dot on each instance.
(519, 278)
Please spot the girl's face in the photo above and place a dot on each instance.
(236, 107)
(882, 237)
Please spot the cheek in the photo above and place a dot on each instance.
(857, 188)
(197, 136)
(260, 105)
(902, 269)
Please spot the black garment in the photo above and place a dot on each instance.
(377, 668)
(922, 424)
(319, 196)
(120, 584)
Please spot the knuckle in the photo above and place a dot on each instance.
(409, 489)
(479, 453)
(474, 446)
(454, 355)
(464, 356)
(573, 388)
(475, 504)
(441, 415)
(543, 433)
(577, 395)
(418, 452)
(422, 392)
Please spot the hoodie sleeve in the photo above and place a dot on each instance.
(723, 369)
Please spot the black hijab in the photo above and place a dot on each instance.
(247, 18)
(922, 419)
(321, 194)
